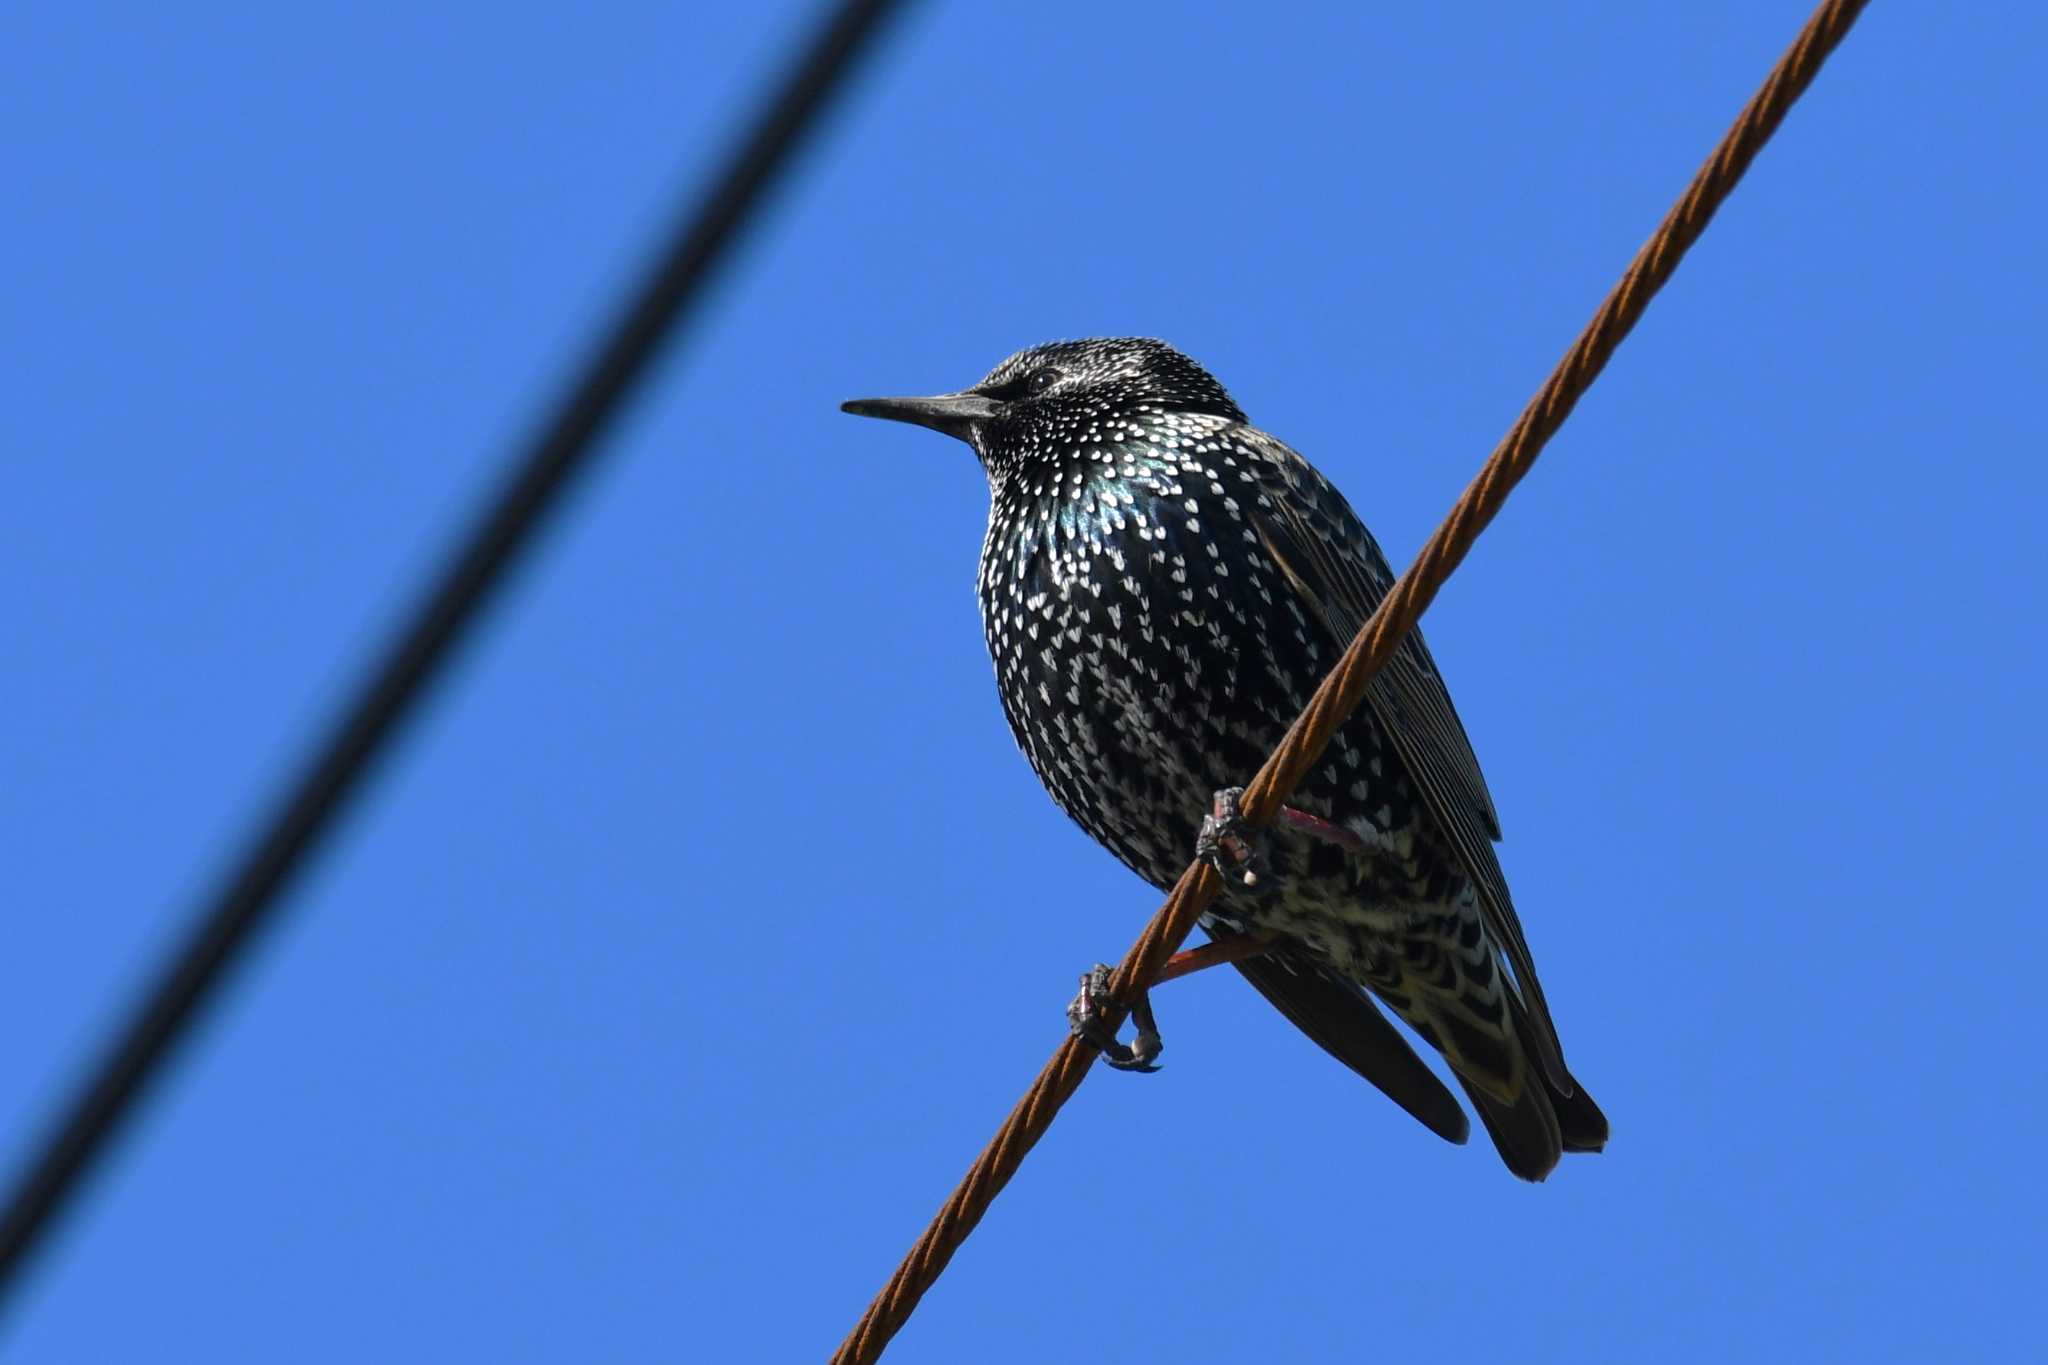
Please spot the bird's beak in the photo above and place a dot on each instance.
(953, 413)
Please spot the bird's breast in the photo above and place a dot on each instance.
(1146, 650)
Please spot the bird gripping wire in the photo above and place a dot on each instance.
(1376, 642)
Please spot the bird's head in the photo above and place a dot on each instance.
(1050, 398)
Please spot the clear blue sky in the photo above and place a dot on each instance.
(707, 921)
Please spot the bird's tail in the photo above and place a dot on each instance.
(1449, 985)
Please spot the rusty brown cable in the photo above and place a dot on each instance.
(1344, 688)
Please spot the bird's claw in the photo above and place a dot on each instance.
(1085, 1016)
(1225, 843)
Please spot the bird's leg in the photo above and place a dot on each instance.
(1318, 828)
(1085, 1014)
(1217, 951)
(1227, 845)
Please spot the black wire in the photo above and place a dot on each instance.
(251, 895)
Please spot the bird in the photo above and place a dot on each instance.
(1162, 587)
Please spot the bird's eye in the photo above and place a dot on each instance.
(1025, 385)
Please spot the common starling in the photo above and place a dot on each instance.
(1162, 587)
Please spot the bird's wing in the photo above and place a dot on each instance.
(1336, 567)
(1343, 1020)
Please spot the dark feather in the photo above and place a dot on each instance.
(1525, 1133)
(1544, 1122)
(1337, 567)
(1344, 1021)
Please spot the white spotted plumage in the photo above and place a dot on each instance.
(1162, 587)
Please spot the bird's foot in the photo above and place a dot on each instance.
(1085, 1016)
(1226, 843)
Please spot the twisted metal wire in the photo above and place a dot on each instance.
(1376, 641)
